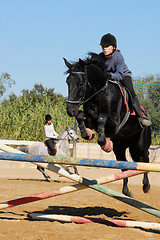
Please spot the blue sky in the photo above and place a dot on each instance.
(35, 35)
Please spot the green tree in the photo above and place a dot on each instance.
(22, 117)
(148, 91)
(152, 105)
(5, 82)
(39, 93)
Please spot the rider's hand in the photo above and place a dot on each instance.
(108, 75)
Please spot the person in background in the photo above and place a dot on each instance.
(116, 69)
(50, 135)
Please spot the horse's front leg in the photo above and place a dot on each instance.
(101, 129)
(86, 133)
(105, 144)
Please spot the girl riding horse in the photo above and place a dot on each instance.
(116, 69)
(104, 110)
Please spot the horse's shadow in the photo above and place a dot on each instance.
(90, 211)
(73, 211)
(82, 212)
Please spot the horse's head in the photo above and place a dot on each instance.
(72, 135)
(86, 78)
(76, 86)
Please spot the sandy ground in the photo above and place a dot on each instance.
(15, 225)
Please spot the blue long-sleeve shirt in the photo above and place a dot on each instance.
(116, 66)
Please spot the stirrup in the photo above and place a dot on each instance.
(145, 121)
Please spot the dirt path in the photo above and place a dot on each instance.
(15, 225)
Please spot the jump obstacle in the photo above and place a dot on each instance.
(92, 184)
(99, 188)
(153, 167)
(110, 222)
(63, 190)
(67, 189)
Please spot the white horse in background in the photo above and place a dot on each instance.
(62, 145)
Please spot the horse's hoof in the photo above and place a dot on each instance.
(47, 180)
(127, 193)
(146, 188)
(85, 135)
(91, 134)
(101, 141)
(108, 147)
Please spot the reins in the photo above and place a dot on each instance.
(103, 88)
(81, 102)
(67, 132)
(63, 139)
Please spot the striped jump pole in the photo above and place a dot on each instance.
(67, 189)
(153, 167)
(109, 222)
(93, 185)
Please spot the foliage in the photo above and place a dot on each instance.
(5, 81)
(21, 118)
(148, 91)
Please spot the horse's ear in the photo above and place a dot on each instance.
(81, 62)
(67, 63)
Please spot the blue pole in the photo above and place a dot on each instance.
(81, 162)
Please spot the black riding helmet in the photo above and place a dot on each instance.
(48, 117)
(109, 39)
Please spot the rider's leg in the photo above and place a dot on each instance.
(50, 145)
(127, 82)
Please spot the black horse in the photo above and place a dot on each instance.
(105, 110)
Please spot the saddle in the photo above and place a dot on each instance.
(128, 102)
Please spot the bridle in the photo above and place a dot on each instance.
(81, 102)
(72, 138)
(65, 137)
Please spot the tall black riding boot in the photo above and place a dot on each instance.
(144, 120)
(50, 146)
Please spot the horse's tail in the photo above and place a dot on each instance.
(23, 148)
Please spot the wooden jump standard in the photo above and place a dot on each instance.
(153, 167)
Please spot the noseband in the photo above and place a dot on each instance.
(72, 138)
(72, 101)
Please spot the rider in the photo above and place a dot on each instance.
(50, 134)
(116, 69)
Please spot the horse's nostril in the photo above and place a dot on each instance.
(72, 112)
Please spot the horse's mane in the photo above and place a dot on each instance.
(64, 130)
(92, 58)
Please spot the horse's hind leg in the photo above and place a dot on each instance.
(66, 167)
(119, 151)
(146, 184)
(44, 173)
(75, 170)
(142, 156)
